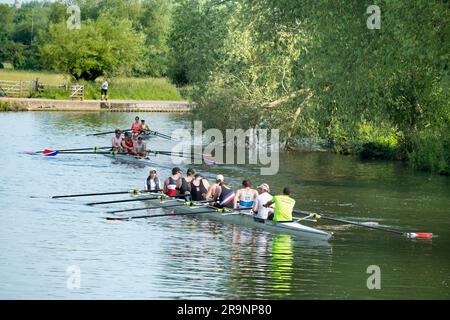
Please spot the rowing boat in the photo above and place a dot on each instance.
(129, 158)
(245, 218)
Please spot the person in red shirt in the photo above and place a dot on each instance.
(128, 143)
(136, 127)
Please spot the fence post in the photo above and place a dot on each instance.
(20, 91)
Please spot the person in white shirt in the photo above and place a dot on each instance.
(263, 197)
(116, 142)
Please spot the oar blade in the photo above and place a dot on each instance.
(419, 235)
(50, 153)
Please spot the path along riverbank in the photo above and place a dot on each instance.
(27, 104)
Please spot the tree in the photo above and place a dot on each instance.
(99, 47)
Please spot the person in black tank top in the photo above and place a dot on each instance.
(199, 188)
(185, 187)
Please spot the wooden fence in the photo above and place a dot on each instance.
(16, 89)
(26, 89)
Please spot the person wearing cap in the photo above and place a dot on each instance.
(284, 205)
(263, 197)
(136, 127)
(116, 141)
(199, 188)
(220, 193)
(185, 187)
(245, 197)
(152, 183)
(128, 144)
(140, 148)
(172, 184)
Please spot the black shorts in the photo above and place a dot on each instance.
(104, 92)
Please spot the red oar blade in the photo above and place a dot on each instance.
(49, 153)
(419, 235)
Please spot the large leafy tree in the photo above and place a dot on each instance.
(98, 47)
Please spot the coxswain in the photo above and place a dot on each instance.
(128, 144)
(136, 127)
(116, 141)
(153, 184)
(172, 183)
(199, 188)
(220, 194)
(284, 205)
(140, 148)
(144, 127)
(246, 196)
(258, 206)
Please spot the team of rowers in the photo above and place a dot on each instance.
(132, 142)
(196, 188)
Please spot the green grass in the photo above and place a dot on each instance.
(120, 88)
(6, 106)
(45, 77)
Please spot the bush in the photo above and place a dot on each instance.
(431, 151)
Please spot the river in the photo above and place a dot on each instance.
(45, 242)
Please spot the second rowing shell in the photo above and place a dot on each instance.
(129, 158)
(247, 219)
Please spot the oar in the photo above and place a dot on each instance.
(132, 200)
(410, 235)
(161, 135)
(161, 207)
(209, 160)
(107, 132)
(134, 192)
(172, 214)
(46, 151)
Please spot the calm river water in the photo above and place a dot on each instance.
(42, 240)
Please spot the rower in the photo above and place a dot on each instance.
(199, 188)
(284, 205)
(153, 183)
(264, 196)
(144, 127)
(220, 193)
(128, 144)
(185, 187)
(172, 183)
(140, 148)
(116, 141)
(136, 127)
(246, 196)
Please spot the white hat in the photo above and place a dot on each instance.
(264, 186)
(220, 177)
(152, 169)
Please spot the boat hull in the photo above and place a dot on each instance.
(246, 218)
(129, 159)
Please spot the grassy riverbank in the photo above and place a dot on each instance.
(119, 88)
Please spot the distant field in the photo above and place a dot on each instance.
(119, 88)
(46, 77)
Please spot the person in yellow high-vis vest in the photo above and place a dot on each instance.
(284, 205)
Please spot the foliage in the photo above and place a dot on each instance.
(100, 47)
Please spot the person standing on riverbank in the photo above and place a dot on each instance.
(105, 89)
